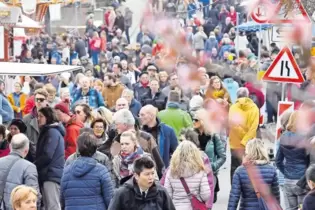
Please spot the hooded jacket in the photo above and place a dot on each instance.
(50, 153)
(253, 90)
(211, 43)
(243, 122)
(86, 184)
(176, 118)
(72, 133)
(101, 158)
(291, 159)
(129, 197)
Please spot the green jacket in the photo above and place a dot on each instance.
(216, 152)
(175, 118)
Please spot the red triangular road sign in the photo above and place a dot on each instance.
(284, 69)
(300, 7)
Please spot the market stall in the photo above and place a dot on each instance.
(12, 20)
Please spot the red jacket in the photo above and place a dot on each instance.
(233, 17)
(72, 133)
(254, 90)
(29, 105)
(95, 44)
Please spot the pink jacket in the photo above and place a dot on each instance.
(209, 202)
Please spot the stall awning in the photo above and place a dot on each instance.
(30, 69)
(253, 26)
(17, 18)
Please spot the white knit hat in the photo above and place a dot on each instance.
(196, 102)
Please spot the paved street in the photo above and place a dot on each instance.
(137, 7)
(225, 186)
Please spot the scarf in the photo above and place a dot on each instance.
(145, 85)
(127, 161)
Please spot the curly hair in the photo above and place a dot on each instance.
(186, 158)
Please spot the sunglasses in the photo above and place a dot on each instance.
(40, 100)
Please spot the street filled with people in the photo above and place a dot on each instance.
(151, 118)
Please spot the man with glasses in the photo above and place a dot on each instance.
(72, 125)
(30, 120)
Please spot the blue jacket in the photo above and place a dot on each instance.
(167, 141)
(231, 87)
(191, 9)
(242, 187)
(95, 98)
(211, 43)
(6, 110)
(86, 184)
(50, 153)
(135, 107)
(223, 49)
(291, 159)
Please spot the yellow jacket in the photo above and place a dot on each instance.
(243, 122)
(23, 98)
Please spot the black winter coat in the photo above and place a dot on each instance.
(128, 197)
(159, 100)
(50, 153)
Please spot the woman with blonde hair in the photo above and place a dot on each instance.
(292, 160)
(216, 91)
(163, 77)
(256, 158)
(211, 143)
(188, 134)
(187, 167)
(24, 198)
(130, 150)
(95, 46)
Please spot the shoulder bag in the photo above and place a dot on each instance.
(195, 203)
(261, 200)
(3, 184)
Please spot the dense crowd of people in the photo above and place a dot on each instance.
(125, 133)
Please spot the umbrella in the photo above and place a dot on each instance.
(253, 26)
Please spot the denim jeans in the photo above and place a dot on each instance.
(205, 10)
(127, 33)
(294, 195)
(95, 54)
